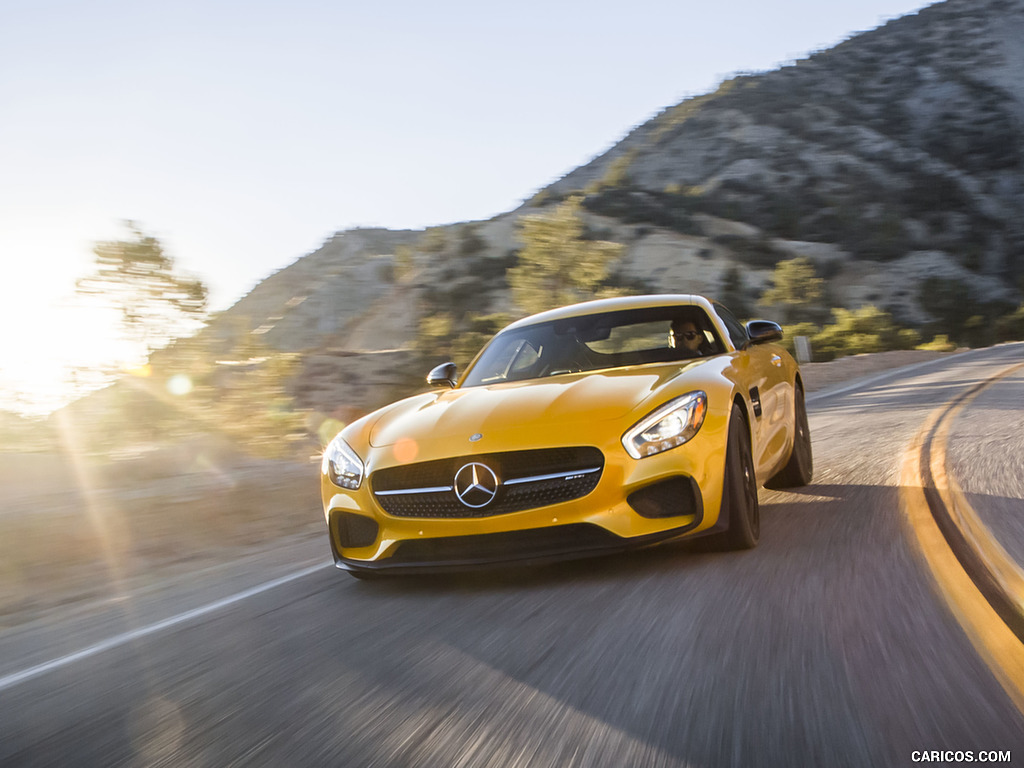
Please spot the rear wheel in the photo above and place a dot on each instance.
(800, 468)
(739, 488)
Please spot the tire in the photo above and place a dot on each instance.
(739, 488)
(799, 470)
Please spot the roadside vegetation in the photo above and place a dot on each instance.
(801, 299)
(560, 262)
(180, 382)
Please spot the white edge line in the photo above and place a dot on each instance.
(9, 681)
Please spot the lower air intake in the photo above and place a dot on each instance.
(354, 530)
(668, 498)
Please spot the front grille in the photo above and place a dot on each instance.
(510, 545)
(527, 480)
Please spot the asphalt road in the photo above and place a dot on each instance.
(986, 454)
(828, 645)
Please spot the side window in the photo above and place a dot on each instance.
(737, 332)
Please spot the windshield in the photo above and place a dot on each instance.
(595, 342)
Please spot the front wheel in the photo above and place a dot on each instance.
(739, 488)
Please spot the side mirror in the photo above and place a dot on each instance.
(763, 331)
(442, 376)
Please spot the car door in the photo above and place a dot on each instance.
(760, 371)
(776, 396)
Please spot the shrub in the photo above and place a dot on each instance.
(1010, 327)
(403, 261)
(853, 332)
(752, 251)
(617, 174)
(434, 240)
(907, 338)
(471, 242)
(797, 290)
(638, 206)
(386, 272)
(940, 343)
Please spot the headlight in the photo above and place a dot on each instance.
(342, 465)
(670, 425)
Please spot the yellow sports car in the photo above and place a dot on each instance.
(592, 428)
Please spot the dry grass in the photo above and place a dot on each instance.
(76, 531)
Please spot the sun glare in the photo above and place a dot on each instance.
(49, 355)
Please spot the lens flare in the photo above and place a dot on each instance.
(179, 384)
(328, 429)
(406, 450)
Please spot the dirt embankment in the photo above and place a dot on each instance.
(818, 376)
(73, 530)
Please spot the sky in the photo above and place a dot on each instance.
(244, 134)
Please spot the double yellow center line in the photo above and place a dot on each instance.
(980, 582)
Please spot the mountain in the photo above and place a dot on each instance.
(892, 161)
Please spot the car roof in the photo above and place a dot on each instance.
(615, 304)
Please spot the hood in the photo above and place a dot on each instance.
(505, 409)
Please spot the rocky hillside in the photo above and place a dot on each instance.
(893, 161)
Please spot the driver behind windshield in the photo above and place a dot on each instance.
(685, 337)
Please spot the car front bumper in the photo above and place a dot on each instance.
(616, 516)
(528, 547)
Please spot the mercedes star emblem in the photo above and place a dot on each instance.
(476, 485)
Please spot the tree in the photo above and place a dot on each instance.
(796, 290)
(138, 279)
(557, 265)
